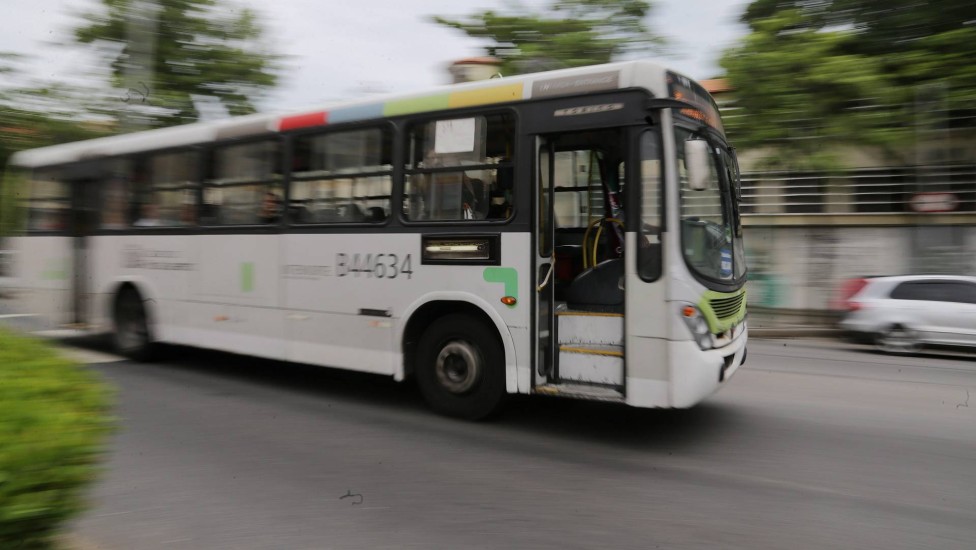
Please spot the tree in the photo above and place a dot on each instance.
(572, 33)
(813, 73)
(34, 114)
(798, 89)
(183, 51)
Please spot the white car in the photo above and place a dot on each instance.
(900, 314)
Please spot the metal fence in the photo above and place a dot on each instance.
(948, 189)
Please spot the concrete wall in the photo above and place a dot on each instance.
(800, 268)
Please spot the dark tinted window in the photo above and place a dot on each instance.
(960, 292)
(936, 291)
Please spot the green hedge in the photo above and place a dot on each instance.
(54, 419)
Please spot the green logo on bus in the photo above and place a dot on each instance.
(247, 277)
(506, 275)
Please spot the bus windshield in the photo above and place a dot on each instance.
(710, 238)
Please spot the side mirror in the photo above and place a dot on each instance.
(698, 160)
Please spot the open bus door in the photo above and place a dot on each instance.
(544, 264)
(579, 304)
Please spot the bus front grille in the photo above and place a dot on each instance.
(725, 308)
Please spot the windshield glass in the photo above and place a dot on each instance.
(710, 234)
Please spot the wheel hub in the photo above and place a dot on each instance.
(458, 366)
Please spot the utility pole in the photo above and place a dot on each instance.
(140, 52)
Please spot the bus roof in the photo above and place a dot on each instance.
(645, 74)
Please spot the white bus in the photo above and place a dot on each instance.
(571, 233)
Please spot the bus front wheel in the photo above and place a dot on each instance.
(131, 337)
(461, 367)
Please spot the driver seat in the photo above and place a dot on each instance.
(599, 288)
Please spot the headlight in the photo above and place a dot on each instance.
(698, 326)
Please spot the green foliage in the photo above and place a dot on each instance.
(13, 188)
(33, 117)
(53, 424)
(22, 128)
(37, 115)
(820, 73)
(570, 33)
(203, 48)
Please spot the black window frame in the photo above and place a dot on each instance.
(142, 161)
(940, 291)
(26, 202)
(208, 168)
(638, 192)
(405, 167)
(389, 131)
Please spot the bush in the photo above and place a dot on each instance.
(54, 419)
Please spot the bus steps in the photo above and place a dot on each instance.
(592, 364)
(582, 391)
(591, 348)
(583, 327)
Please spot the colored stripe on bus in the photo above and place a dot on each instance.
(416, 105)
(498, 94)
(468, 98)
(359, 112)
(303, 121)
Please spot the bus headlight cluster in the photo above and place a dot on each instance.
(698, 326)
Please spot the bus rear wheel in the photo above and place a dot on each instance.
(131, 337)
(461, 367)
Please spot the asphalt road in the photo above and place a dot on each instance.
(812, 445)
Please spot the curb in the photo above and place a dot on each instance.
(72, 541)
(807, 331)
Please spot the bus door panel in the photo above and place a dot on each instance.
(648, 331)
(544, 284)
(580, 305)
(82, 221)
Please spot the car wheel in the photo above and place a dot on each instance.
(897, 339)
(132, 338)
(461, 367)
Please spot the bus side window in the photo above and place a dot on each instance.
(117, 195)
(458, 169)
(244, 185)
(342, 177)
(162, 188)
(49, 202)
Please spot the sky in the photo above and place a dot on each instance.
(338, 49)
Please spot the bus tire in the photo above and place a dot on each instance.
(131, 336)
(461, 367)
